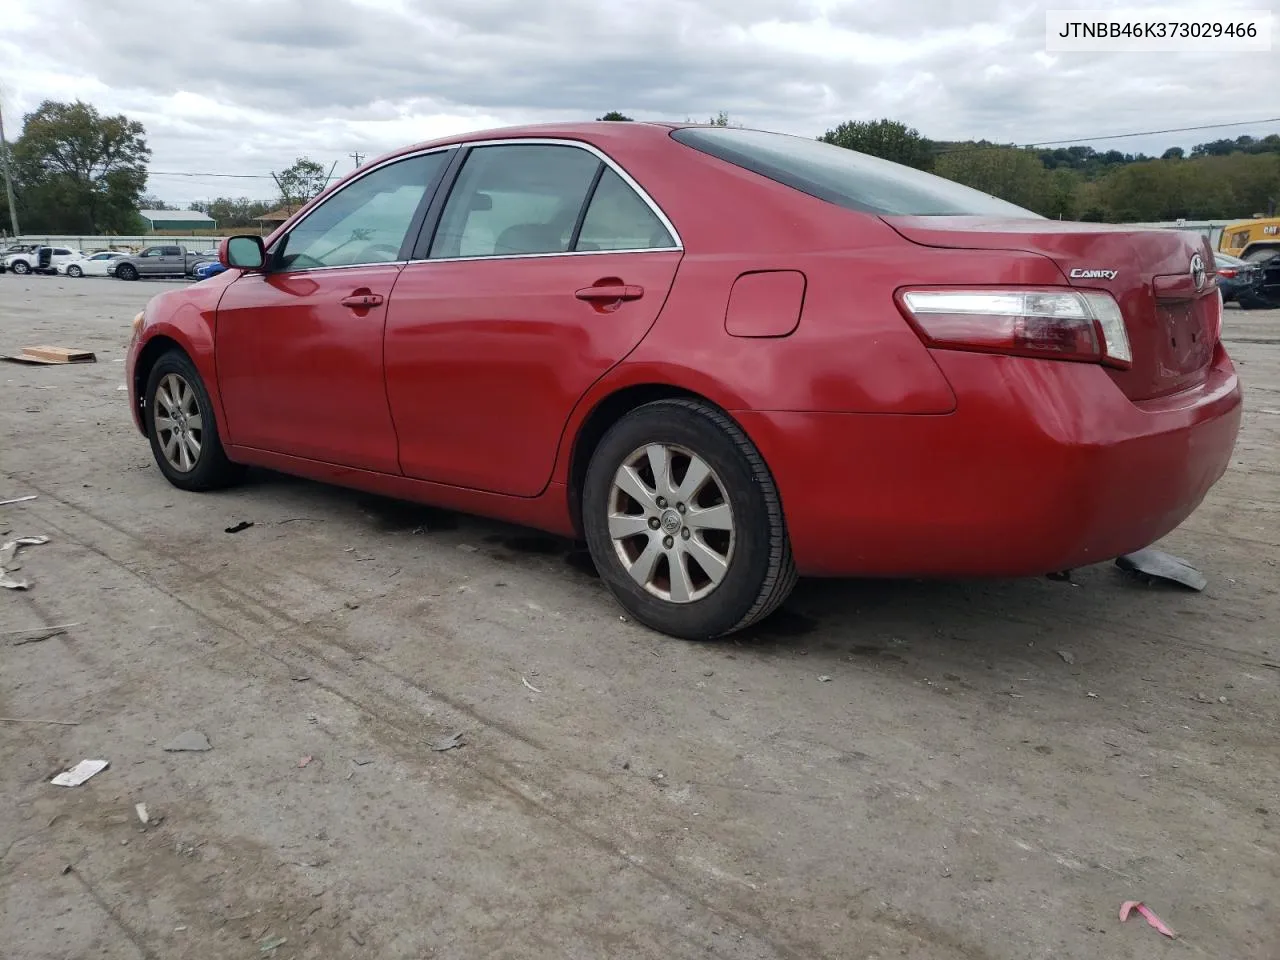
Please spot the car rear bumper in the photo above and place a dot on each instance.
(1043, 466)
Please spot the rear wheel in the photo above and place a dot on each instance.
(182, 429)
(684, 522)
(127, 271)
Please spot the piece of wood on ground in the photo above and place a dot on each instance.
(43, 354)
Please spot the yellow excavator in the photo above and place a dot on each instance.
(1255, 240)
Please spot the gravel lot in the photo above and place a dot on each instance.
(988, 772)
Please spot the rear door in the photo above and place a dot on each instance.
(174, 260)
(547, 267)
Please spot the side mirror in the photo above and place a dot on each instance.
(244, 252)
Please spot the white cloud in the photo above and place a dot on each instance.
(245, 86)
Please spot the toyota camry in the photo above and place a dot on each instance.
(722, 357)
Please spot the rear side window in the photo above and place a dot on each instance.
(172, 251)
(617, 219)
(844, 177)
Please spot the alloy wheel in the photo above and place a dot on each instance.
(671, 522)
(178, 422)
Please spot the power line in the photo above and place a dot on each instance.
(232, 176)
(1039, 143)
(1152, 133)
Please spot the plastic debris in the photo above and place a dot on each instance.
(242, 525)
(824, 679)
(1158, 565)
(8, 552)
(448, 743)
(270, 945)
(42, 633)
(141, 810)
(78, 774)
(1130, 905)
(1067, 656)
(304, 761)
(529, 685)
(192, 741)
(5, 503)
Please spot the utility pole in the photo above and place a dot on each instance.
(330, 176)
(357, 157)
(8, 178)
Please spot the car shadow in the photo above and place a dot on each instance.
(917, 625)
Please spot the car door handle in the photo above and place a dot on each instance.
(362, 301)
(610, 292)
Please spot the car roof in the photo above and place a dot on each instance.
(588, 131)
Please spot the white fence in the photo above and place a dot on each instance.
(90, 244)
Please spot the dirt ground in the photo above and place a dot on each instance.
(881, 770)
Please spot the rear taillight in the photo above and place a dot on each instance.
(1056, 324)
(1215, 316)
(1227, 272)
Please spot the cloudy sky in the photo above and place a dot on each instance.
(245, 86)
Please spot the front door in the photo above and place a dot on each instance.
(546, 269)
(299, 347)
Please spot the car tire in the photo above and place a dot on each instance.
(74, 272)
(127, 271)
(175, 395)
(21, 268)
(740, 536)
(1252, 301)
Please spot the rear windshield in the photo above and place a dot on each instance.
(845, 177)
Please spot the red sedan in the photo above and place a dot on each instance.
(722, 357)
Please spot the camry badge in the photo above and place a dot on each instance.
(1078, 274)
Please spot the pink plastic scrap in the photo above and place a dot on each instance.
(1130, 905)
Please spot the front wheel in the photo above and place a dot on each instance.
(182, 429)
(74, 271)
(127, 271)
(684, 522)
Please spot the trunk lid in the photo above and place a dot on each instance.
(1173, 322)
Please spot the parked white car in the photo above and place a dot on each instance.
(33, 262)
(91, 265)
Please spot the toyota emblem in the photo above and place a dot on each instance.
(1197, 271)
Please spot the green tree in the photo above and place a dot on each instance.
(78, 171)
(237, 212)
(300, 182)
(1173, 153)
(614, 115)
(1010, 173)
(885, 138)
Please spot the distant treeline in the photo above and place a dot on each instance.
(1218, 180)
